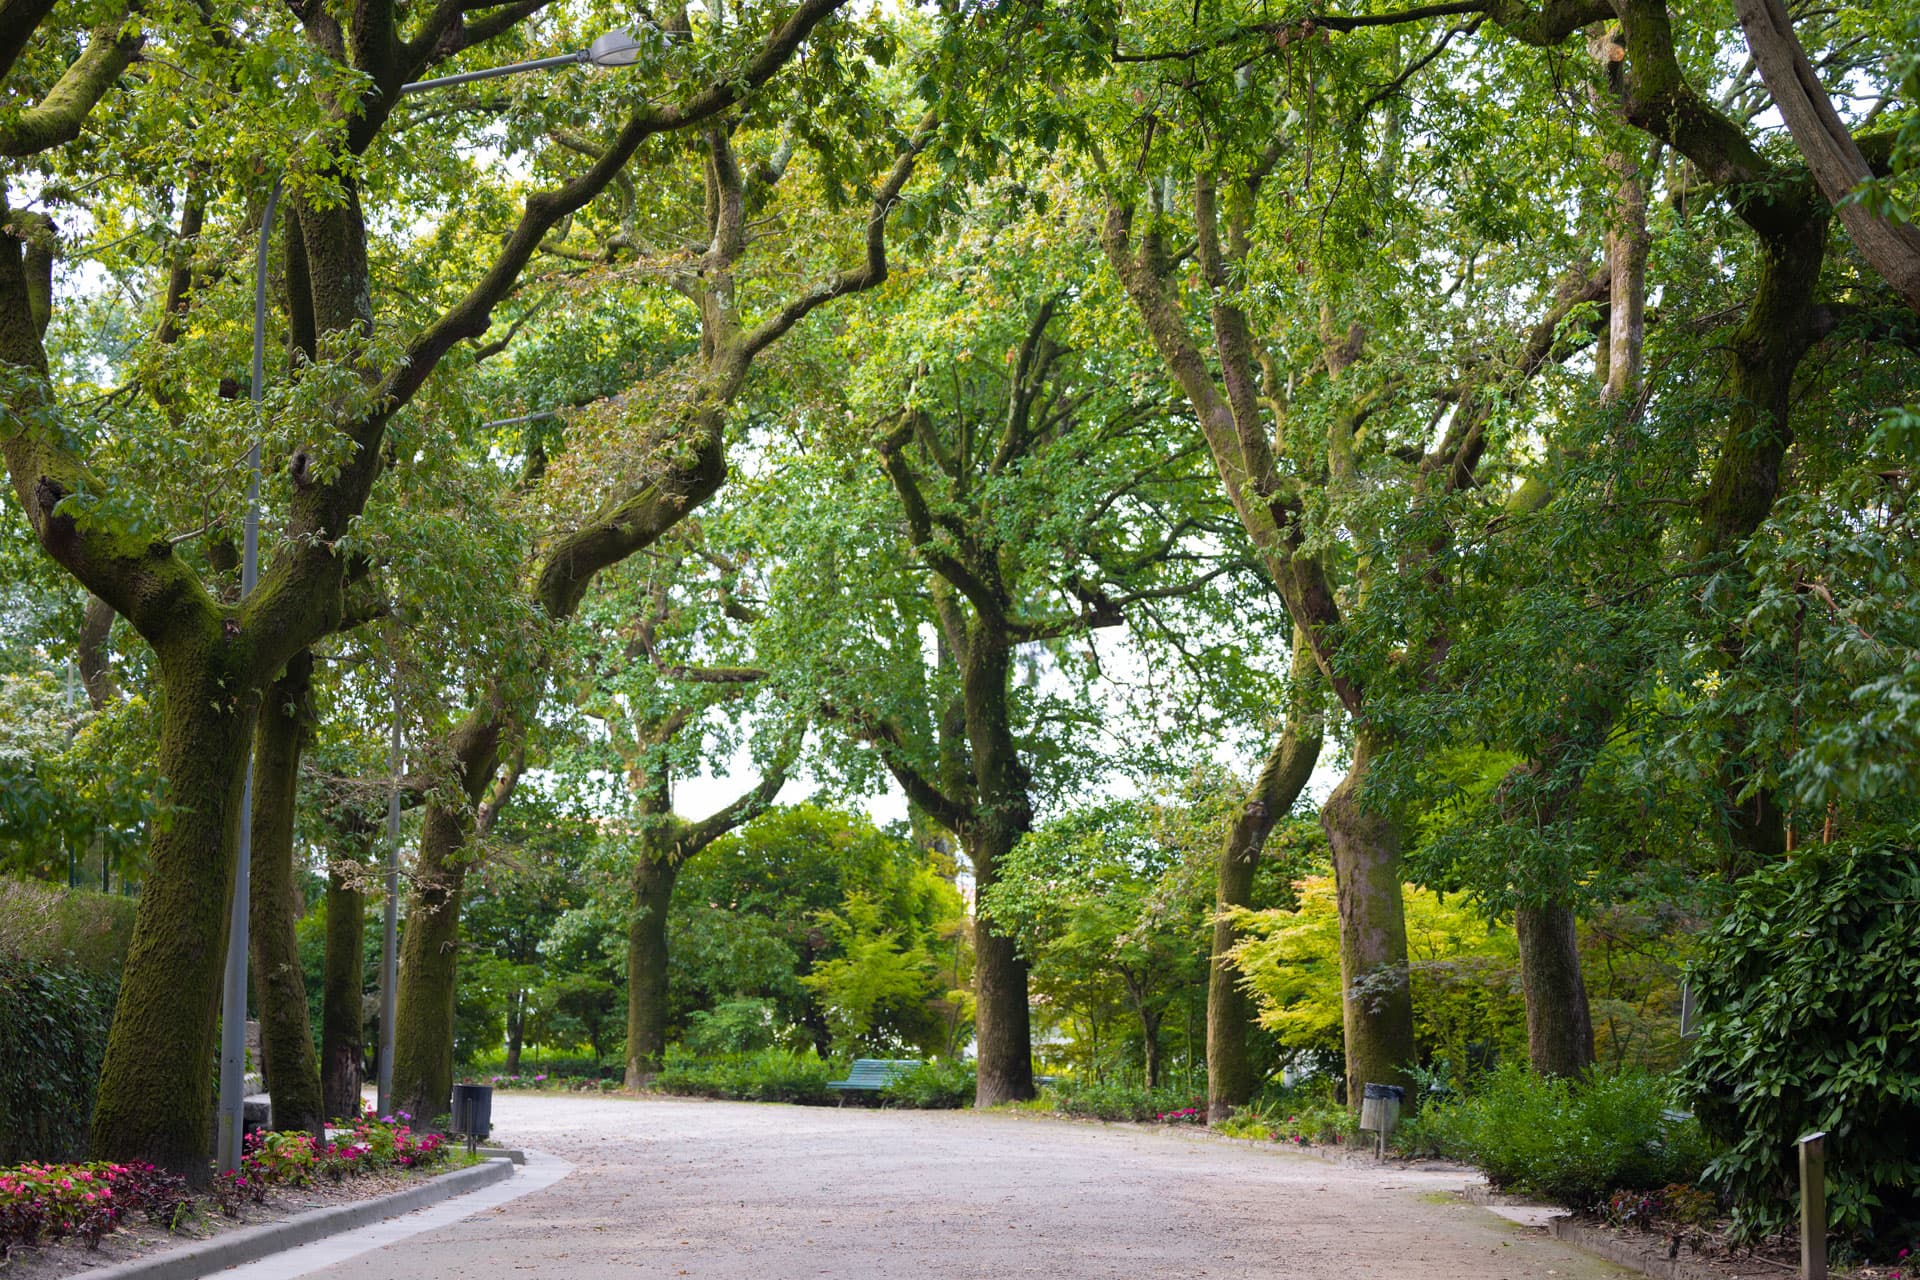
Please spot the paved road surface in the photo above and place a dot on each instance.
(715, 1190)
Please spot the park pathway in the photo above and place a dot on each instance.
(718, 1190)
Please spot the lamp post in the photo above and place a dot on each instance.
(618, 48)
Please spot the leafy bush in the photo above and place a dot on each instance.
(53, 1033)
(1811, 992)
(772, 1075)
(746, 1025)
(940, 1085)
(1571, 1142)
(76, 928)
(1110, 1100)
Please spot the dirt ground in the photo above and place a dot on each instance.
(671, 1187)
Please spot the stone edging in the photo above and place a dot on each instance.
(250, 1244)
(1646, 1257)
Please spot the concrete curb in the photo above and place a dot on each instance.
(1646, 1257)
(250, 1244)
(514, 1154)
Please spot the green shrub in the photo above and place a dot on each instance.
(1571, 1142)
(53, 1033)
(732, 1026)
(772, 1075)
(75, 927)
(1110, 1100)
(1811, 992)
(933, 1086)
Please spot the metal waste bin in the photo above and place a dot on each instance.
(472, 1113)
(1380, 1107)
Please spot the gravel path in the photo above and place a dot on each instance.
(719, 1190)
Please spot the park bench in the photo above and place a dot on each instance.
(870, 1075)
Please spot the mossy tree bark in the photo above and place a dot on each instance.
(429, 945)
(155, 1100)
(343, 992)
(653, 881)
(1231, 1079)
(1559, 1018)
(1376, 1004)
(286, 1036)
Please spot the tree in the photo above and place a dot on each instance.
(746, 926)
(681, 464)
(649, 704)
(215, 658)
(1113, 896)
(1036, 498)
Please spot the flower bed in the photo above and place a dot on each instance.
(42, 1203)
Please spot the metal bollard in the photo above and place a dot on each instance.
(1813, 1206)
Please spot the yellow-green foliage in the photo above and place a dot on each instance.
(1465, 972)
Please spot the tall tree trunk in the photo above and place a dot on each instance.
(1230, 1014)
(423, 1016)
(343, 992)
(279, 990)
(1559, 1023)
(516, 1029)
(1003, 1026)
(654, 874)
(155, 1098)
(1767, 350)
(429, 946)
(1149, 1035)
(1376, 999)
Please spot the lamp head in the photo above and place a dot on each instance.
(617, 48)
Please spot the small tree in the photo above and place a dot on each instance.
(1110, 906)
(873, 976)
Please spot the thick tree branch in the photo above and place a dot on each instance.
(696, 836)
(58, 117)
(1830, 151)
(470, 317)
(887, 739)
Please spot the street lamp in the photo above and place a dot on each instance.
(619, 48)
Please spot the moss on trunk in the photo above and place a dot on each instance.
(1376, 997)
(1002, 814)
(429, 951)
(653, 881)
(343, 994)
(155, 1100)
(1559, 1022)
(1230, 1014)
(286, 1036)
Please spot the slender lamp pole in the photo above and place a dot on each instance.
(390, 937)
(614, 49)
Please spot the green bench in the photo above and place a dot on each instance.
(870, 1075)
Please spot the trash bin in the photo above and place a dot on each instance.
(472, 1110)
(1380, 1108)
